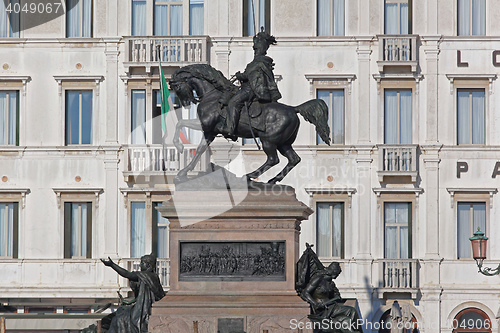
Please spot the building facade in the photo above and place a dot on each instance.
(411, 172)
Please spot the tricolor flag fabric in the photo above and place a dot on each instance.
(164, 98)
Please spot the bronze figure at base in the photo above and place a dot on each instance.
(314, 284)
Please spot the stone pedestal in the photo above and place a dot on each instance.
(232, 268)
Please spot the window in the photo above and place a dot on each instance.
(472, 320)
(397, 221)
(196, 17)
(331, 17)
(9, 118)
(139, 18)
(470, 216)
(138, 117)
(138, 229)
(256, 14)
(336, 104)
(78, 117)
(9, 22)
(143, 123)
(330, 229)
(167, 18)
(79, 18)
(78, 229)
(397, 116)
(161, 235)
(148, 230)
(471, 17)
(470, 116)
(397, 17)
(9, 214)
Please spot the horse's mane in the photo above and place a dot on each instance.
(208, 73)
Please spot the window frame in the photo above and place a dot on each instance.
(334, 82)
(151, 199)
(77, 195)
(396, 195)
(81, 82)
(470, 111)
(462, 201)
(80, 126)
(330, 224)
(151, 90)
(68, 228)
(331, 110)
(18, 114)
(398, 129)
(409, 225)
(9, 19)
(332, 21)
(456, 321)
(410, 15)
(469, 34)
(169, 4)
(81, 23)
(15, 227)
(391, 82)
(246, 17)
(334, 195)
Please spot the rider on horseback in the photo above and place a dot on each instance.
(257, 81)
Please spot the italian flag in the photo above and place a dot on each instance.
(164, 99)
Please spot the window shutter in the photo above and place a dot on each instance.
(89, 229)
(15, 231)
(67, 230)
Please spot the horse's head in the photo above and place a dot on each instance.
(182, 90)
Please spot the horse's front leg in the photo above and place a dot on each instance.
(189, 123)
(202, 147)
(272, 160)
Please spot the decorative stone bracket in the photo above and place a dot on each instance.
(332, 190)
(454, 77)
(17, 191)
(78, 190)
(489, 190)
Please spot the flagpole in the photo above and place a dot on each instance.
(162, 118)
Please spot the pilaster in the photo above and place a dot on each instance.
(363, 51)
(112, 52)
(431, 52)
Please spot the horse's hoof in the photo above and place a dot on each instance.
(180, 148)
(273, 181)
(180, 179)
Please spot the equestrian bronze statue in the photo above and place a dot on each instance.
(251, 111)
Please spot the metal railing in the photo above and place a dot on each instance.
(153, 158)
(398, 158)
(173, 49)
(398, 48)
(399, 273)
(162, 267)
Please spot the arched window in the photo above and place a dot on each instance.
(471, 320)
(406, 327)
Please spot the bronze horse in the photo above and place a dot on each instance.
(281, 121)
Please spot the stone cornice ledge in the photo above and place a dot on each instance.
(380, 190)
(475, 190)
(19, 190)
(80, 190)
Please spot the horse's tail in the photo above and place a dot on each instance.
(315, 111)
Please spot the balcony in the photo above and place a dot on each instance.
(175, 51)
(159, 160)
(162, 267)
(398, 160)
(399, 275)
(397, 50)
